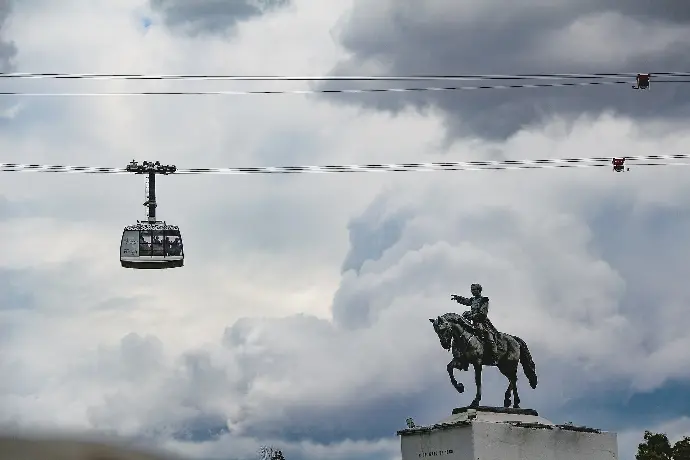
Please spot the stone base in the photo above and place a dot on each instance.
(488, 433)
(496, 410)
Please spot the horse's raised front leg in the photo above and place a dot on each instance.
(458, 385)
(478, 383)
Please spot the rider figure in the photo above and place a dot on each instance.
(479, 309)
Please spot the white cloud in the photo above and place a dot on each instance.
(261, 331)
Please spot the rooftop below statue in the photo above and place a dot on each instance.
(489, 433)
(463, 416)
(496, 410)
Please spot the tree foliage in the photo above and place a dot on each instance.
(656, 446)
(270, 453)
(681, 450)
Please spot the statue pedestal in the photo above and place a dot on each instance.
(492, 433)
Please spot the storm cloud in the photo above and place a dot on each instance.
(497, 37)
(300, 319)
(212, 16)
(8, 49)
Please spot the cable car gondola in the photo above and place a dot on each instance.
(151, 244)
(642, 81)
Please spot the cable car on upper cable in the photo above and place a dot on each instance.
(642, 81)
(151, 244)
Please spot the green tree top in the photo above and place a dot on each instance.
(656, 446)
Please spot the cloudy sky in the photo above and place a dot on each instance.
(300, 318)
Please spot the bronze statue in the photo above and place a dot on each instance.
(473, 339)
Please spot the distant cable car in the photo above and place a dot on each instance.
(642, 81)
(619, 164)
(152, 244)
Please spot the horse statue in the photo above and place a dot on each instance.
(459, 336)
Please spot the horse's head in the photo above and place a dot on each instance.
(443, 330)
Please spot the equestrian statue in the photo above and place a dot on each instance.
(473, 339)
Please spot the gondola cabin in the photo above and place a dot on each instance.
(642, 81)
(149, 245)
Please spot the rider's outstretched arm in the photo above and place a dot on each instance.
(461, 300)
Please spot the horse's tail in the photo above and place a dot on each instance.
(527, 362)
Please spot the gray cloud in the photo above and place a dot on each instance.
(212, 16)
(372, 233)
(478, 37)
(13, 297)
(561, 270)
(149, 355)
(665, 10)
(557, 264)
(8, 49)
(8, 52)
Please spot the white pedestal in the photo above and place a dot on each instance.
(489, 433)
